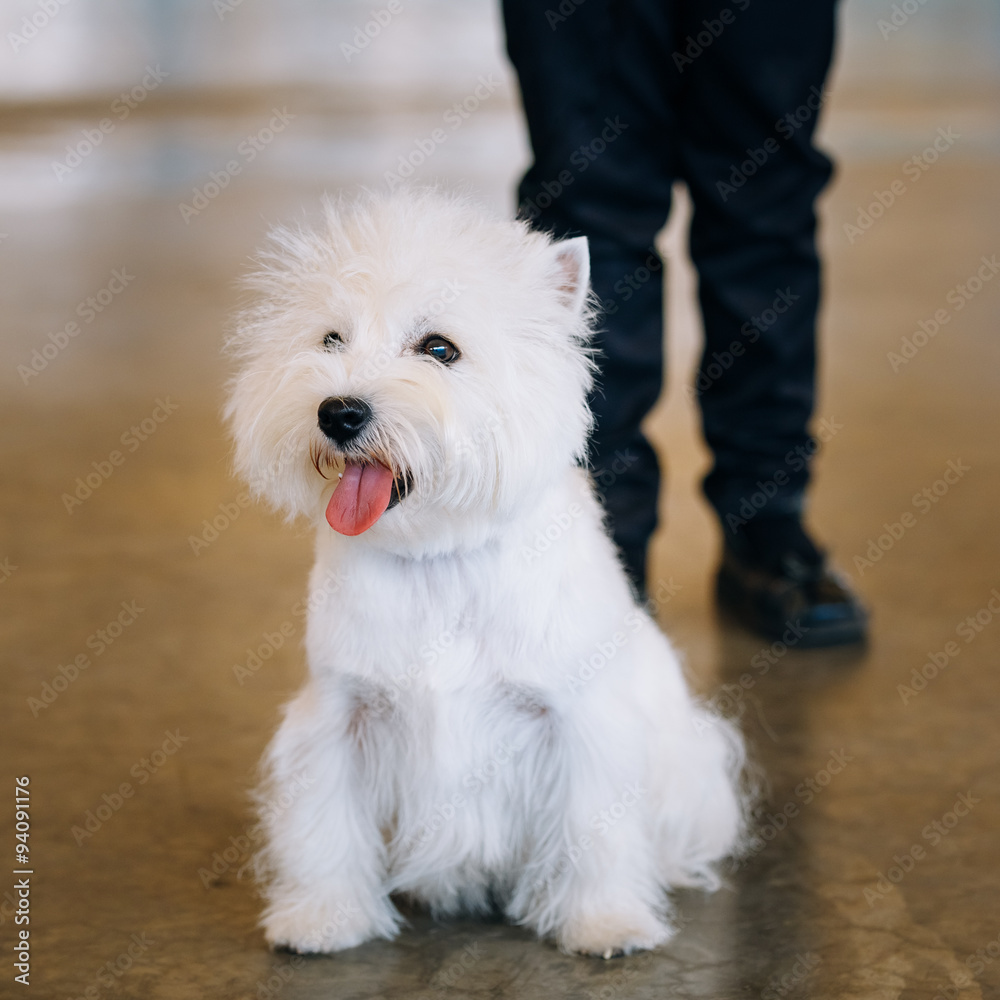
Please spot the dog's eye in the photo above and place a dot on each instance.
(440, 349)
(332, 339)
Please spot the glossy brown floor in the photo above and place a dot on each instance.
(129, 601)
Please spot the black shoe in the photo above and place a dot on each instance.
(779, 585)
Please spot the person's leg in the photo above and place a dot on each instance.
(592, 86)
(751, 90)
(748, 107)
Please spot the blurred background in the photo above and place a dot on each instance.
(151, 620)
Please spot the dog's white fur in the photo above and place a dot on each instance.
(489, 716)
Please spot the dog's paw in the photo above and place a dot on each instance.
(611, 935)
(312, 930)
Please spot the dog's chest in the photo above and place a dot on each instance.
(446, 672)
(452, 710)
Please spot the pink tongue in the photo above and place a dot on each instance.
(360, 498)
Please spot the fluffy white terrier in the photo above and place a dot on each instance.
(490, 719)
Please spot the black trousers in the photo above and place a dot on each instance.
(622, 98)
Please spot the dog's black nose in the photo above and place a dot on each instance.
(343, 418)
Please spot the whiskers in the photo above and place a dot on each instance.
(323, 456)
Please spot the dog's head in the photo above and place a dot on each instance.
(412, 369)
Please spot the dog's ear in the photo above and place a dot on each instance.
(573, 258)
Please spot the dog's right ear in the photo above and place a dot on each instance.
(573, 258)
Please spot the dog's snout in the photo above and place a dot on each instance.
(343, 418)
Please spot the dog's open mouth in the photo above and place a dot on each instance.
(366, 490)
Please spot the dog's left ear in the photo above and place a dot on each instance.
(573, 258)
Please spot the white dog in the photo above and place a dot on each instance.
(490, 719)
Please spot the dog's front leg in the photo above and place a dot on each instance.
(603, 894)
(323, 863)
